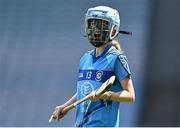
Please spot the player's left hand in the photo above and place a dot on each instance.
(93, 97)
(106, 96)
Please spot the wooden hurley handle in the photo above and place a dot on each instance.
(51, 119)
(99, 92)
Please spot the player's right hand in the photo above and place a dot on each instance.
(59, 113)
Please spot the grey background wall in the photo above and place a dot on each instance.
(162, 99)
(42, 41)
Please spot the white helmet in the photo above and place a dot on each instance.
(101, 25)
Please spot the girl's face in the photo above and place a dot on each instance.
(97, 30)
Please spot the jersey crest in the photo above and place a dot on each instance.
(99, 75)
(86, 88)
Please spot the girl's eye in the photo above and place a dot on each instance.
(105, 24)
(100, 24)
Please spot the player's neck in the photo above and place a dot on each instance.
(100, 49)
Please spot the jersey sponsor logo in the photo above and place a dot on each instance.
(86, 88)
(80, 75)
(99, 75)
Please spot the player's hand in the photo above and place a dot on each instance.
(59, 113)
(106, 96)
(93, 97)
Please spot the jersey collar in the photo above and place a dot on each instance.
(102, 54)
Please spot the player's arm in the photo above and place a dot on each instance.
(71, 100)
(126, 95)
(58, 112)
(123, 74)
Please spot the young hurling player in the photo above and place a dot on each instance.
(96, 66)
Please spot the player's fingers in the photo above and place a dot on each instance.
(56, 113)
(103, 96)
(54, 116)
(93, 97)
(90, 96)
(106, 96)
(61, 115)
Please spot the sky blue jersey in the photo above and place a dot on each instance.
(93, 71)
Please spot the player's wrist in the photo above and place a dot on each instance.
(109, 95)
(66, 104)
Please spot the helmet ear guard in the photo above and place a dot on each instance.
(113, 33)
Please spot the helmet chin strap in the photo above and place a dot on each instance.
(97, 44)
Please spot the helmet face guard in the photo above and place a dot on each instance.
(98, 32)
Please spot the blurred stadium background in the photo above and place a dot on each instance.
(41, 42)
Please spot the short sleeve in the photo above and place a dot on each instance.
(122, 68)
